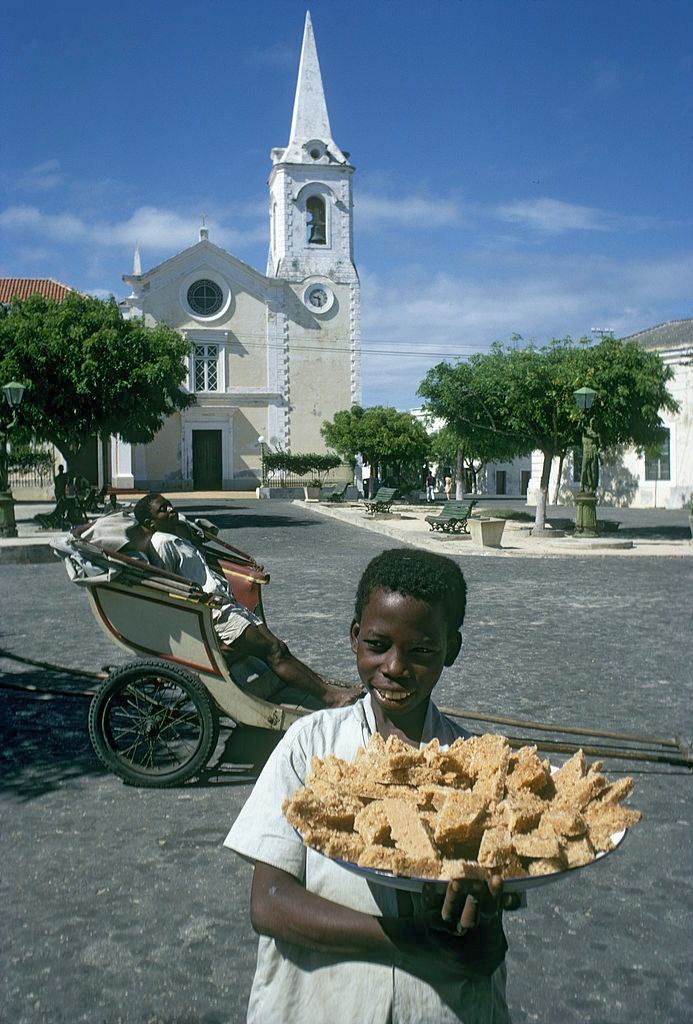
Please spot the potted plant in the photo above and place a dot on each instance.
(318, 466)
(311, 491)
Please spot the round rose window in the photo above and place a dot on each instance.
(205, 297)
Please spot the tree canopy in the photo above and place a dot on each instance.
(516, 400)
(384, 437)
(89, 372)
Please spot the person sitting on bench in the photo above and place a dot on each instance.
(249, 646)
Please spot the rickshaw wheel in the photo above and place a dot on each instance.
(153, 724)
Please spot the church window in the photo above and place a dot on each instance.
(205, 297)
(205, 367)
(658, 463)
(316, 221)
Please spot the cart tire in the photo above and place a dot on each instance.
(153, 724)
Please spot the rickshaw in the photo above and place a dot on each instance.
(155, 720)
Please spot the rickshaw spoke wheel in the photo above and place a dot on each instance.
(153, 724)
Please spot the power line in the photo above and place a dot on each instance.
(327, 347)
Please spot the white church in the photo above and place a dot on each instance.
(273, 355)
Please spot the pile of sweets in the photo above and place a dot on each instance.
(469, 811)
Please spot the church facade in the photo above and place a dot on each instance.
(272, 355)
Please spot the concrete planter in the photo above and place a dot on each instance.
(311, 493)
(486, 533)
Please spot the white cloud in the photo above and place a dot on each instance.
(553, 216)
(371, 211)
(156, 229)
(409, 327)
(41, 177)
(29, 220)
(151, 226)
(278, 55)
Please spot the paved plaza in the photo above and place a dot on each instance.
(119, 905)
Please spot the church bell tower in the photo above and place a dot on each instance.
(318, 339)
(310, 188)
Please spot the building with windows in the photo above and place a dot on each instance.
(497, 479)
(662, 479)
(272, 355)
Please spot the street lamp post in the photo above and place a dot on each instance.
(261, 442)
(586, 498)
(14, 393)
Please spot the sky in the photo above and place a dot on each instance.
(523, 167)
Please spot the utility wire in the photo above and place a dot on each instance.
(327, 348)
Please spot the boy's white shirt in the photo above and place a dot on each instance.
(294, 984)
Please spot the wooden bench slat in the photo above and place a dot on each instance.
(453, 517)
(333, 492)
(381, 502)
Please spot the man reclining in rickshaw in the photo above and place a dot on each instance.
(255, 655)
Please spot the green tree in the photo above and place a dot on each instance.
(393, 442)
(89, 372)
(523, 399)
(470, 437)
(631, 385)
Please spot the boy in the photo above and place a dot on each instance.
(335, 948)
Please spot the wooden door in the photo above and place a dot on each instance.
(207, 465)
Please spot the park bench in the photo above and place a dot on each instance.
(334, 492)
(453, 517)
(381, 502)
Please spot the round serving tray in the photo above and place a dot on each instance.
(509, 884)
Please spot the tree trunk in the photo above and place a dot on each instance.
(540, 517)
(479, 469)
(459, 475)
(68, 454)
(475, 480)
(558, 478)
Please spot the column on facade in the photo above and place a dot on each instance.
(121, 464)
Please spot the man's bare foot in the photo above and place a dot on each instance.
(341, 696)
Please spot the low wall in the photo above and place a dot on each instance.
(45, 493)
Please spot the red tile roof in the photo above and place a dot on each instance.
(23, 287)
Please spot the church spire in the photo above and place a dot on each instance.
(310, 118)
(310, 123)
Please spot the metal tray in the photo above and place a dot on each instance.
(509, 884)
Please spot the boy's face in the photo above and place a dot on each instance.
(401, 646)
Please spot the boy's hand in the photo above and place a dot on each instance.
(467, 903)
(463, 928)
